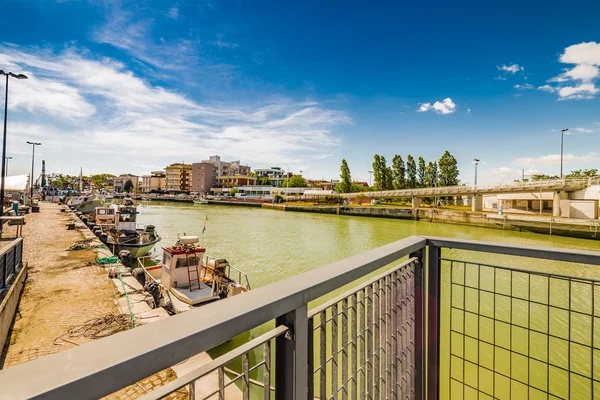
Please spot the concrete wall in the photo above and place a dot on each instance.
(10, 303)
(589, 193)
(579, 209)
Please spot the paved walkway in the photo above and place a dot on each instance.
(64, 289)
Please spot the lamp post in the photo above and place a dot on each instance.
(6, 168)
(370, 172)
(33, 144)
(3, 173)
(562, 137)
(476, 164)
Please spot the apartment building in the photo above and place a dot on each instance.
(204, 177)
(121, 180)
(156, 181)
(178, 177)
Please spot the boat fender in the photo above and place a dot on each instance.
(139, 275)
(153, 288)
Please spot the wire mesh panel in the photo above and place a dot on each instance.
(518, 334)
(244, 372)
(364, 340)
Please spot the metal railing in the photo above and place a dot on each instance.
(11, 259)
(536, 186)
(439, 324)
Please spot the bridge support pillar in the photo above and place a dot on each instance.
(416, 202)
(477, 203)
(558, 196)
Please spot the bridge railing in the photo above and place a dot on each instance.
(551, 184)
(422, 327)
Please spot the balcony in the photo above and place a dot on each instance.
(420, 317)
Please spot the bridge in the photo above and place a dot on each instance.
(553, 185)
(560, 188)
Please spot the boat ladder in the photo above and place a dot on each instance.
(191, 270)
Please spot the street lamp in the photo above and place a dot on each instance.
(32, 164)
(18, 76)
(370, 172)
(476, 164)
(562, 137)
(7, 158)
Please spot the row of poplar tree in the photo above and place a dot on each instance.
(414, 173)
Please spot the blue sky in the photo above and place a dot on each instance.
(130, 86)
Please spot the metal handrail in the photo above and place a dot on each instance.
(207, 368)
(103, 367)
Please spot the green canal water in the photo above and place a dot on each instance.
(271, 245)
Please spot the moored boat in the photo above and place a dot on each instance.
(121, 232)
(192, 277)
(200, 201)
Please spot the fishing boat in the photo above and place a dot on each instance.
(88, 204)
(200, 201)
(193, 278)
(120, 231)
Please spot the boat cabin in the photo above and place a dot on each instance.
(186, 275)
(126, 218)
(104, 215)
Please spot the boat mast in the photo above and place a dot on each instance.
(81, 180)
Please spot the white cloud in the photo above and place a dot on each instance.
(173, 13)
(584, 130)
(583, 53)
(583, 72)
(525, 86)
(468, 111)
(583, 91)
(447, 106)
(323, 156)
(554, 159)
(577, 82)
(547, 88)
(106, 113)
(512, 69)
(500, 78)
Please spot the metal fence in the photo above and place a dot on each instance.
(438, 324)
(11, 259)
(512, 332)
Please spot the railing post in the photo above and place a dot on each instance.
(419, 328)
(291, 356)
(433, 322)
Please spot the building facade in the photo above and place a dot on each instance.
(156, 181)
(204, 177)
(121, 180)
(178, 177)
(275, 174)
(236, 180)
(224, 168)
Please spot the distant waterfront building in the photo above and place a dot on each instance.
(224, 168)
(275, 174)
(204, 177)
(237, 180)
(121, 180)
(155, 181)
(178, 177)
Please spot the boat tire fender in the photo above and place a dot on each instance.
(139, 275)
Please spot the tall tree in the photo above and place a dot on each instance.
(346, 183)
(376, 172)
(399, 172)
(411, 172)
(431, 174)
(295, 181)
(421, 172)
(383, 173)
(448, 175)
(389, 178)
(128, 186)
